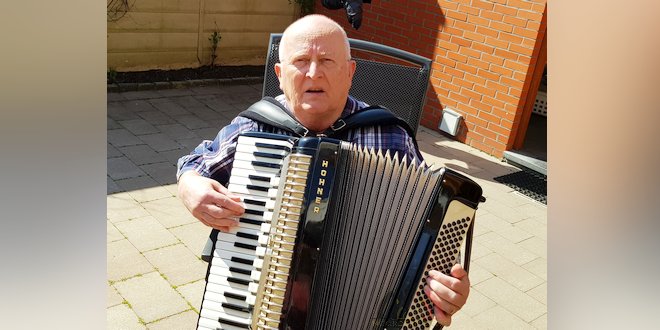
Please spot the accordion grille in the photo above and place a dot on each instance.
(443, 256)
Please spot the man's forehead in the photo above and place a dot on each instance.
(324, 44)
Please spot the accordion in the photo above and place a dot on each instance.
(334, 236)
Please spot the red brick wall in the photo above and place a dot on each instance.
(483, 55)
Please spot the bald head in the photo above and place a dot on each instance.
(307, 28)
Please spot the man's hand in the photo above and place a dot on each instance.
(209, 201)
(448, 293)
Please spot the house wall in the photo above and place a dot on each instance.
(169, 34)
(483, 52)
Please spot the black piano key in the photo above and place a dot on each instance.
(251, 221)
(272, 146)
(233, 323)
(238, 280)
(247, 235)
(254, 202)
(245, 246)
(242, 261)
(234, 296)
(239, 270)
(258, 188)
(255, 212)
(236, 307)
(267, 155)
(264, 164)
(258, 178)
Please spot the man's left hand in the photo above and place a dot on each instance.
(448, 293)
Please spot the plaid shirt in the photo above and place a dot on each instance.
(214, 159)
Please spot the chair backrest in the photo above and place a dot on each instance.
(385, 76)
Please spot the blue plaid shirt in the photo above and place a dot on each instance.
(214, 159)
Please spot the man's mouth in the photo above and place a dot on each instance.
(314, 90)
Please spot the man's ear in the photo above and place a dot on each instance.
(278, 72)
(351, 68)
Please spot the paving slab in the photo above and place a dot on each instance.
(541, 322)
(163, 172)
(513, 274)
(170, 212)
(187, 101)
(478, 303)
(193, 235)
(140, 95)
(122, 207)
(478, 274)
(141, 154)
(111, 186)
(144, 189)
(191, 121)
(113, 152)
(156, 117)
(112, 124)
(117, 111)
(178, 264)
(113, 297)
(536, 245)
(500, 245)
(169, 107)
(122, 317)
(122, 137)
(151, 297)
(181, 321)
(138, 106)
(160, 142)
(112, 233)
(510, 298)
(538, 267)
(122, 168)
(125, 261)
(139, 126)
(534, 227)
(500, 318)
(177, 131)
(146, 233)
(539, 293)
(193, 292)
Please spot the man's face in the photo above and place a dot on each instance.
(316, 74)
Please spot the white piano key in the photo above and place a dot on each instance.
(214, 315)
(258, 157)
(252, 148)
(248, 165)
(218, 293)
(218, 307)
(246, 180)
(254, 140)
(214, 325)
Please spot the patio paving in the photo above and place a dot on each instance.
(155, 275)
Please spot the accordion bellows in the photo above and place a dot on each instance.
(352, 236)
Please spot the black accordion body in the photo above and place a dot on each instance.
(334, 236)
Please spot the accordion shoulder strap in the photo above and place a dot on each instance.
(271, 112)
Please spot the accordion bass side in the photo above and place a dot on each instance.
(352, 236)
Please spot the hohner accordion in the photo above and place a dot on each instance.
(334, 236)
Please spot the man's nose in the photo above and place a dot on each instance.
(314, 70)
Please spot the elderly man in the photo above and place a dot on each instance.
(315, 74)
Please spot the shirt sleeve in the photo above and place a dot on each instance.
(213, 159)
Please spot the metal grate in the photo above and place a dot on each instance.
(528, 183)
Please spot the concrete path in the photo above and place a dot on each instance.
(155, 275)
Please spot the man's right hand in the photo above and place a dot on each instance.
(209, 201)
